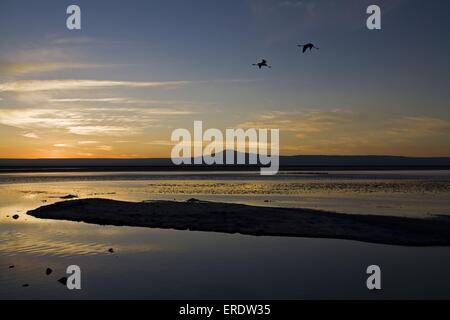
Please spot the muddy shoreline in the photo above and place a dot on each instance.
(198, 215)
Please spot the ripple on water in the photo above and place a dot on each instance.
(14, 243)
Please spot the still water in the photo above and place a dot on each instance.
(159, 264)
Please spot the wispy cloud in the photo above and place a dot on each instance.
(85, 154)
(88, 121)
(301, 123)
(40, 60)
(49, 85)
(104, 148)
(101, 130)
(30, 135)
(87, 142)
(413, 127)
(73, 41)
(123, 101)
(346, 132)
(39, 118)
(20, 68)
(76, 100)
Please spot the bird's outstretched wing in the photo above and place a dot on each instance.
(264, 61)
(304, 49)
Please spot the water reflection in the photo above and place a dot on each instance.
(153, 263)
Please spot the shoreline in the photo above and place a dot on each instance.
(196, 215)
(212, 169)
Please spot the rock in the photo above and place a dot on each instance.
(63, 281)
(193, 200)
(25, 285)
(69, 196)
(111, 250)
(48, 271)
(11, 267)
(15, 217)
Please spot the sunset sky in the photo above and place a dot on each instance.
(140, 69)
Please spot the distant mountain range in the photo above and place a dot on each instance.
(286, 162)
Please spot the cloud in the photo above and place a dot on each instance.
(40, 60)
(87, 142)
(20, 68)
(75, 100)
(38, 118)
(30, 135)
(73, 41)
(61, 145)
(101, 130)
(85, 154)
(104, 148)
(145, 112)
(50, 85)
(301, 123)
(122, 100)
(87, 121)
(346, 132)
(161, 143)
(40, 54)
(413, 127)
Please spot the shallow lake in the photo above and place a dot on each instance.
(159, 264)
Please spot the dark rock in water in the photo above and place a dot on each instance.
(25, 285)
(11, 267)
(48, 271)
(63, 281)
(69, 196)
(266, 201)
(15, 217)
(193, 200)
(111, 250)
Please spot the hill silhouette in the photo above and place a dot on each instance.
(301, 162)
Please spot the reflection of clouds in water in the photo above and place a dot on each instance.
(62, 243)
(30, 196)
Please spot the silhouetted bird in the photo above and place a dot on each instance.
(307, 46)
(261, 64)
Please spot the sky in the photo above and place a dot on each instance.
(138, 69)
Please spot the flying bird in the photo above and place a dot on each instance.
(261, 64)
(307, 46)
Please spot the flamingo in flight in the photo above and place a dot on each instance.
(307, 46)
(261, 64)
